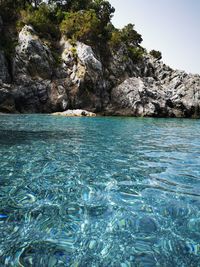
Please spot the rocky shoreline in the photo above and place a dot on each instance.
(34, 83)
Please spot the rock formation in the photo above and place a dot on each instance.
(166, 93)
(75, 113)
(35, 82)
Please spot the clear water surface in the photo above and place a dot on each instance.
(99, 192)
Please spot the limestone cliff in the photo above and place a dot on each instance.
(35, 82)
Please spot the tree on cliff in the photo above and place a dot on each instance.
(81, 26)
(19, 3)
(104, 11)
(88, 24)
(156, 54)
(130, 36)
(71, 5)
(88, 21)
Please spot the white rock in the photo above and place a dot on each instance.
(75, 113)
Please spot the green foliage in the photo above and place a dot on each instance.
(74, 51)
(88, 21)
(156, 54)
(130, 36)
(82, 26)
(99, 11)
(71, 5)
(77, 5)
(116, 39)
(82, 20)
(59, 15)
(13, 6)
(56, 56)
(42, 19)
(136, 53)
(104, 11)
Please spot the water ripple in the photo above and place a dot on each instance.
(99, 192)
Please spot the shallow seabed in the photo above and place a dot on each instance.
(99, 192)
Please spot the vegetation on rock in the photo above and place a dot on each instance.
(156, 54)
(50, 70)
(42, 19)
(81, 25)
(88, 21)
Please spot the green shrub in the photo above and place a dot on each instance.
(136, 53)
(59, 15)
(130, 36)
(57, 57)
(156, 54)
(42, 20)
(76, 5)
(74, 51)
(104, 11)
(116, 39)
(82, 26)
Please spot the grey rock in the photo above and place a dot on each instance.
(1, 24)
(85, 80)
(120, 66)
(138, 97)
(167, 94)
(7, 101)
(4, 73)
(84, 74)
(32, 57)
(35, 90)
(87, 57)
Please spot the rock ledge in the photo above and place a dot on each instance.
(75, 113)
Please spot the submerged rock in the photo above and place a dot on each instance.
(75, 113)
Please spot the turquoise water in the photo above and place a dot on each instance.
(99, 192)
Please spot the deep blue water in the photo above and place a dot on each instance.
(99, 192)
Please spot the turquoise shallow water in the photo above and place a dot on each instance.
(99, 192)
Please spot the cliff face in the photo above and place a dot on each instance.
(36, 81)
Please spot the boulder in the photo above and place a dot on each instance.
(175, 97)
(75, 113)
(139, 97)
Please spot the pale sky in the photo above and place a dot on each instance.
(170, 26)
